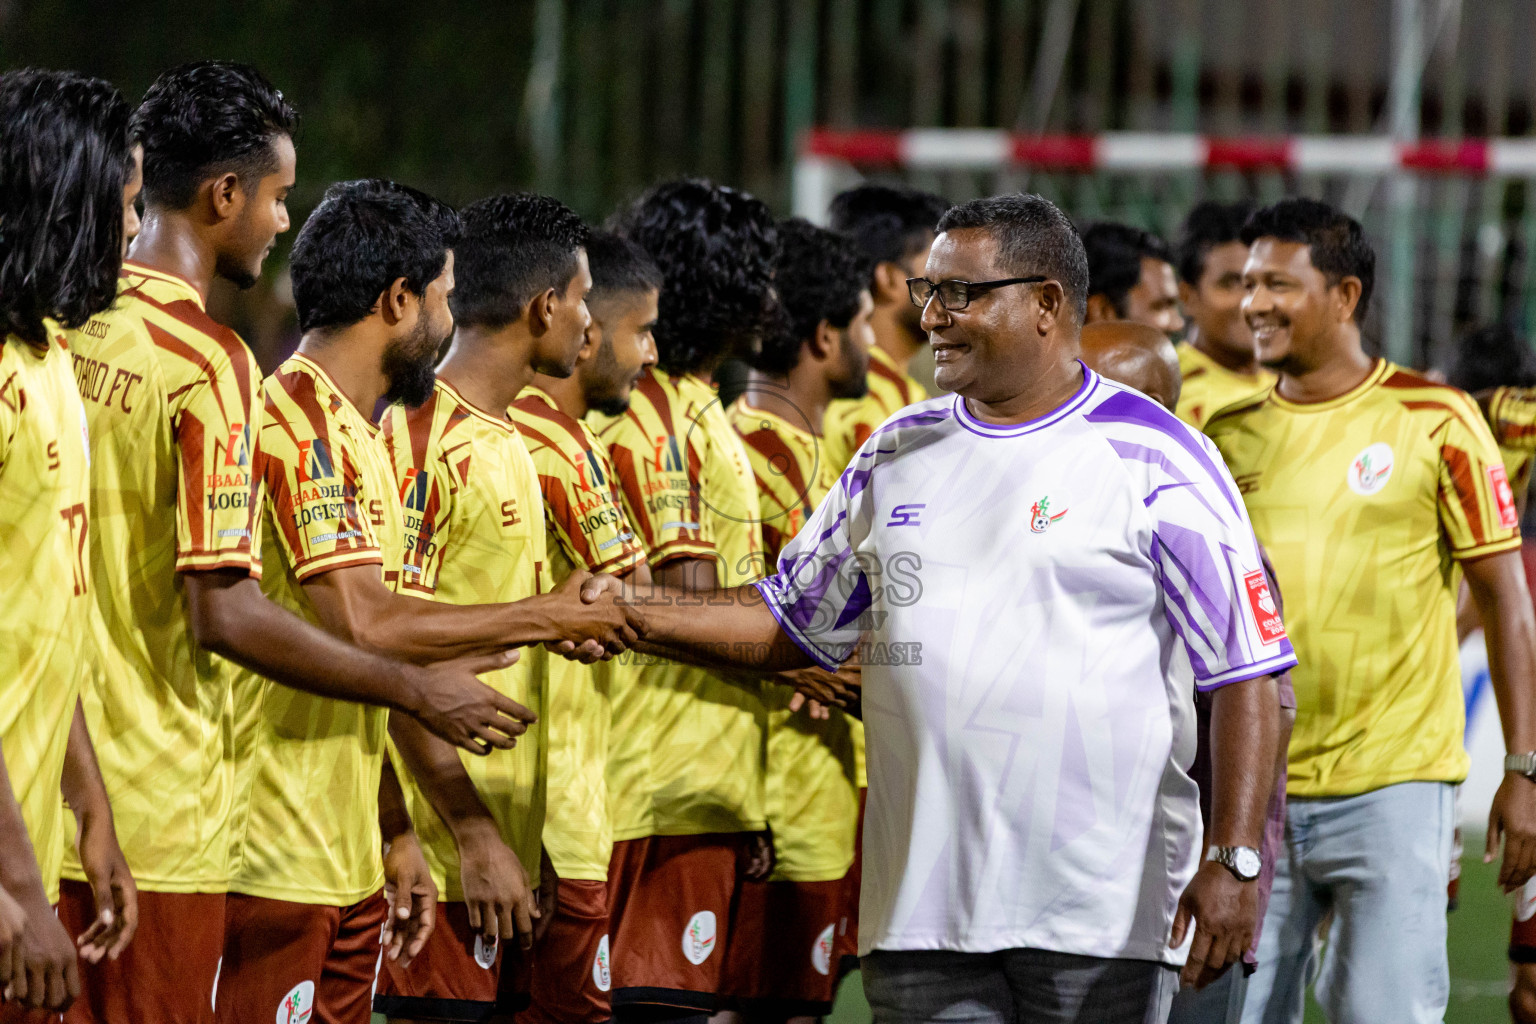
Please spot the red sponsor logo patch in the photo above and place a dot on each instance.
(1265, 612)
(1509, 516)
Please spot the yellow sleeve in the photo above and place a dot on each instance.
(659, 484)
(1477, 504)
(211, 425)
(1512, 417)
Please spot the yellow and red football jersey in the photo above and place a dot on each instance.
(850, 421)
(169, 394)
(688, 745)
(44, 560)
(1364, 504)
(1512, 417)
(306, 817)
(586, 528)
(812, 786)
(1209, 387)
(474, 526)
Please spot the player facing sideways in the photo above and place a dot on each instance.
(783, 958)
(1130, 273)
(1217, 356)
(686, 777)
(372, 271)
(475, 534)
(894, 226)
(69, 177)
(1366, 485)
(1135, 576)
(586, 528)
(169, 394)
(1143, 358)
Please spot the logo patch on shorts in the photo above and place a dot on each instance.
(600, 974)
(699, 937)
(1262, 603)
(298, 1005)
(1525, 903)
(485, 953)
(1504, 497)
(821, 951)
(1371, 469)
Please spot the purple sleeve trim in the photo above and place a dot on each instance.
(812, 651)
(1268, 667)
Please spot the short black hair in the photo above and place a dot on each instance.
(1115, 252)
(65, 157)
(1033, 237)
(204, 119)
(820, 276)
(514, 247)
(619, 266)
(1208, 225)
(890, 222)
(1493, 356)
(364, 236)
(715, 246)
(1336, 241)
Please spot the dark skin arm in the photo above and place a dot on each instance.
(733, 628)
(1497, 585)
(117, 898)
(231, 617)
(408, 884)
(42, 971)
(1245, 734)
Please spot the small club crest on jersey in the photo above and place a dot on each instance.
(298, 1006)
(1370, 470)
(699, 937)
(1041, 517)
(601, 976)
(821, 951)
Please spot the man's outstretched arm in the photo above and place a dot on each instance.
(730, 628)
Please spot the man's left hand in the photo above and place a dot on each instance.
(1226, 913)
(1513, 816)
(412, 897)
(117, 897)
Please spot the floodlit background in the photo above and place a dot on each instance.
(591, 100)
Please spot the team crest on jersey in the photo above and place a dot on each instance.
(821, 951)
(298, 1006)
(1041, 515)
(1371, 469)
(485, 952)
(699, 937)
(600, 973)
(1261, 601)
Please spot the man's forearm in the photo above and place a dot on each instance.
(1498, 589)
(84, 789)
(19, 873)
(440, 773)
(1245, 735)
(724, 628)
(394, 816)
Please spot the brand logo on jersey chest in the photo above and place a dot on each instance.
(1042, 515)
(1370, 470)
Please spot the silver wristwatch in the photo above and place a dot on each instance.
(1524, 764)
(1242, 861)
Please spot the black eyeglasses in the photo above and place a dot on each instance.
(955, 295)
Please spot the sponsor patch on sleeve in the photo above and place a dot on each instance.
(1504, 495)
(1262, 603)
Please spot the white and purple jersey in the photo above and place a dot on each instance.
(1035, 604)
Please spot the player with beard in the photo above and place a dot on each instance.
(784, 953)
(169, 395)
(586, 529)
(688, 810)
(372, 271)
(1370, 487)
(69, 176)
(894, 226)
(475, 534)
(1217, 357)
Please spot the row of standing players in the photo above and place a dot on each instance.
(249, 615)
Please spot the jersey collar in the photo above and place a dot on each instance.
(131, 267)
(1061, 412)
(1378, 372)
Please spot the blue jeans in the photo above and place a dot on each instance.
(1014, 986)
(1380, 861)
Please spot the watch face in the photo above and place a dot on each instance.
(1247, 862)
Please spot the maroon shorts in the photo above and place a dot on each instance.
(569, 970)
(671, 900)
(168, 971)
(457, 976)
(1522, 935)
(782, 957)
(847, 948)
(299, 962)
